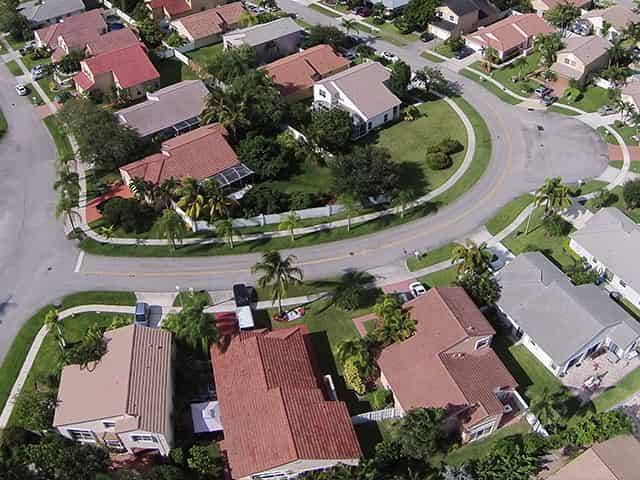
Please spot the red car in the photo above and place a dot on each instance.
(363, 12)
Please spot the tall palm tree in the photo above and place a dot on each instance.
(162, 194)
(472, 257)
(617, 54)
(67, 181)
(348, 24)
(289, 222)
(230, 112)
(140, 187)
(520, 63)
(218, 203)
(171, 227)
(225, 227)
(350, 205)
(277, 273)
(51, 321)
(402, 200)
(191, 199)
(66, 205)
(490, 56)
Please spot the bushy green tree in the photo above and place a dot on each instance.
(631, 193)
(226, 65)
(264, 199)
(150, 34)
(512, 458)
(481, 287)
(321, 34)
(562, 16)
(265, 157)
(191, 326)
(331, 129)
(418, 13)
(128, 214)
(202, 463)
(555, 226)
(34, 409)
(420, 432)
(400, 79)
(581, 274)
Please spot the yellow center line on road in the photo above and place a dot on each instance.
(363, 252)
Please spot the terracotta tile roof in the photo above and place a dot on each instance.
(511, 32)
(272, 407)
(212, 21)
(302, 70)
(92, 19)
(201, 153)
(131, 380)
(113, 40)
(428, 370)
(130, 65)
(80, 37)
(577, 3)
(173, 7)
(83, 81)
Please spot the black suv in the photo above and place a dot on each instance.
(241, 295)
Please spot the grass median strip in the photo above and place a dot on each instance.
(635, 165)
(430, 258)
(324, 11)
(14, 68)
(508, 214)
(65, 152)
(98, 297)
(3, 124)
(431, 57)
(497, 91)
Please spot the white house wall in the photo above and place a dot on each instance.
(540, 354)
(299, 466)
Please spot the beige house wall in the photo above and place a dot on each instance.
(299, 466)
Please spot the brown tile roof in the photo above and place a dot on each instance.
(510, 32)
(587, 49)
(112, 41)
(212, 21)
(92, 19)
(427, 371)
(272, 408)
(302, 70)
(618, 16)
(201, 153)
(130, 380)
(615, 459)
(578, 3)
(173, 7)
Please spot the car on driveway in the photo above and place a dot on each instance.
(542, 90)
(606, 110)
(464, 52)
(417, 289)
(22, 90)
(390, 57)
(548, 100)
(39, 72)
(426, 37)
(26, 48)
(142, 314)
(404, 297)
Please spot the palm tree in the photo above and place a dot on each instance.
(617, 54)
(66, 205)
(520, 63)
(548, 45)
(348, 24)
(107, 231)
(162, 194)
(247, 20)
(490, 56)
(403, 199)
(350, 205)
(171, 227)
(289, 222)
(550, 408)
(67, 181)
(191, 199)
(355, 350)
(50, 321)
(140, 187)
(472, 257)
(230, 112)
(277, 273)
(218, 203)
(225, 227)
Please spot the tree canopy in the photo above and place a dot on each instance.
(331, 129)
(192, 326)
(226, 65)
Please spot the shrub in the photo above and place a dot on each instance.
(580, 274)
(264, 156)
(264, 199)
(175, 40)
(128, 214)
(604, 198)
(450, 146)
(381, 398)
(555, 225)
(438, 160)
(631, 193)
(353, 378)
(302, 200)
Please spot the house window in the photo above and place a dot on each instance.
(481, 432)
(144, 438)
(109, 424)
(622, 283)
(369, 126)
(451, 18)
(566, 60)
(483, 343)
(386, 117)
(82, 435)
(322, 93)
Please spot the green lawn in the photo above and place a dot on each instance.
(429, 258)
(308, 287)
(442, 278)
(389, 31)
(34, 97)
(537, 240)
(626, 132)
(324, 11)
(18, 352)
(14, 68)
(200, 295)
(15, 44)
(618, 202)
(98, 297)
(173, 71)
(47, 83)
(589, 187)
(508, 214)
(29, 63)
(311, 178)
(59, 137)
(431, 57)
(592, 99)
(371, 433)
(341, 7)
(506, 75)
(505, 97)
(620, 392)
(444, 49)
(562, 111)
(635, 165)
(3, 124)
(408, 141)
(631, 309)
(203, 55)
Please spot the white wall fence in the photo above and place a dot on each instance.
(536, 425)
(377, 415)
(111, 10)
(187, 47)
(602, 83)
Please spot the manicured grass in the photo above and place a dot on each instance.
(98, 297)
(506, 75)
(508, 214)
(442, 278)
(302, 23)
(592, 99)
(589, 187)
(505, 97)
(429, 258)
(18, 350)
(631, 309)
(203, 55)
(200, 295)
(14, 43)
(635, 165)
(431, 57)
(46, 83)
(626, 133)
(29, 63)
(622, 390)
(173, 71)
(369, 325)
(34, 96)
(563, 111)
(308, 287)
(3, 124)
(538, 240)
(336, 6)
(371, 433)
(311, 178)
(14, 68)
(408, 142)
(480, 448)
(618, 202)
(59, 137)
(324, 11)
(389, 30)
(444, 49)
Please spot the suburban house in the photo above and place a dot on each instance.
(510, 36)
(167, 112)
(609, 242)
(172, 9)
(630, 93)
(271, 40)
(542, 6)
(560, 323)
(205, 28)
(616, 459)
(202, 153)
(449, 363)
(610, 22)
(581, 56)
(279, 418)
(455, 18)
(114, 40)
(125, 400)
(40, 13)
(125, 69)
(363, 92)
(72, 32)
(295, 75)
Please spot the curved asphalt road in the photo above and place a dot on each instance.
(37, 263)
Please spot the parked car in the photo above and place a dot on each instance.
(542, 90)
(39, 71)
(363, 12)
(142, 314)
(390, 57)
(241, 295)
(389, 14)
(404, 297)
(464, 52)
(27, 47)
(417, 289)
(581, 27)
(548, 100)
(426, 37)
(615, 296)
(22, 90)
(606, 110)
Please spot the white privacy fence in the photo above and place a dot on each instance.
(377, 415)
(111, 10)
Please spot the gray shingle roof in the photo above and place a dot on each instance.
(266, 32)
(559, 316)
(614, 239)
(38, 11)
